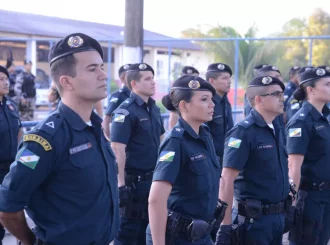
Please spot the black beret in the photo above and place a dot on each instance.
(262, 81)
(4, 70)
(305, 68)
(140, 67)
(295, 68)
(312, 74)
(269, 68)
(219, 67)
(27, 62)
(123, 68)
(258, 67)
(188, 70)
(324, 67)
(73, 43)
(194, 83)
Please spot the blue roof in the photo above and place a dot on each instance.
(32, 24)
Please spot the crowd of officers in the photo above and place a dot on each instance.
(85, 181)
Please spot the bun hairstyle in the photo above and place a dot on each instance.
(166, 101)
(299, 94)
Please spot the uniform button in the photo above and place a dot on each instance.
(251, 220)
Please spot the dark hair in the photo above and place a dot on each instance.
(212, 74)
(63, 66)
(172, 100)
(300, 93)
(132, 76)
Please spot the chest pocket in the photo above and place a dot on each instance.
(321, 139)
(199, 175)
(218, 121)
(82, 156)
(266, 151)
(145, 123)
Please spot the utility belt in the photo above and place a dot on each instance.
(131, 178)
(251, 208)
(5, 165)
(312, 186)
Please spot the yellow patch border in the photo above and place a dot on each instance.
(38, 139)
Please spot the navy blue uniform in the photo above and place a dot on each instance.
(139, 126)
(308, 134)
(292, 106)
(221, 123)
(65, 176)
(116, 99)
(259, 153)
(188, 161)
(288, 92)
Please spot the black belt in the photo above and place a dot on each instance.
(266, 209)
(5, 165)
(141, 177)
(184, 223)
(312, 186)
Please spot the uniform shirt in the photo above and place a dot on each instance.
(9, 128)
(221, 123)
(308, 134)
(260, 155)
(288, 92)
(25, 85)
(139, 126)
(188, 161)
(116, 99)
(292, 106)
(65, 176)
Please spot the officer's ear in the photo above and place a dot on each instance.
(183, 106)
(66, 82)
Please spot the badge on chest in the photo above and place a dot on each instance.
(197, 157)
(80, 148)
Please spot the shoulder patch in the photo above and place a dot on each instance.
(121, 111)
(235, 143)
(166, 156)
(38, 139)
(177, 132)
(27, 158)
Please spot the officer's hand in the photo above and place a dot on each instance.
(224, 235)
(124, 194)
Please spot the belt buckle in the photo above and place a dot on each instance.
(320, 186)
(139, 178)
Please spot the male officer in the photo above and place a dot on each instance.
(173, 117)
(136, 132)
(255, 167)
(116, 98)
(292, 85)
(65, 174)
(10, 130)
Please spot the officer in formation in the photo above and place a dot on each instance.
(10, 130)
(26, 92)
(184, 192)
(136, 132)
(116, 98)
(65, 174)
(10, 66)
(255, 169)
(308, 143)
(173, 117)
(292, 85)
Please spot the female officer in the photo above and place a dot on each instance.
(308, 144)
(183, 195)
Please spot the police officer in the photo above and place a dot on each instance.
(255, 169)
(116, 98)
(10, 66)
(26, 92)
(10, 130)
(308, 143)
(184, 192)
(136, 132)
(65, 174)
(292, 105)
(292, 84)
(173, 117)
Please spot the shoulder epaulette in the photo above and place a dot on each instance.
(177, 132)
(246, 123)
(51, 124)
(121, 111)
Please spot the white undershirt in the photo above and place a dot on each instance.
(272, 127)
(89, 123)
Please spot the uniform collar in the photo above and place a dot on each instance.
(183, 124)
(315, 113)
(140, 101)
(258, 119)
(126, 90)
(218, 98)
(292, 84)
(74, 119)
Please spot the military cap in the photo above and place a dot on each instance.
(262, 81)
(219, 67)
(269, 68)
(71, 44)
(4, 70)
(324, 67)
(27, 62)
(258, 67)
(312, 74)
(295, 68)
(123, 69)
(140, 67)
(188, 70)
(193, 83)
(305, 68)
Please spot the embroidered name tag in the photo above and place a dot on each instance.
(264, 146)
(144, 119)
(80, 148)
(197, 157)
(319, 127)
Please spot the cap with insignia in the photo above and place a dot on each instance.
(258, 67)
(262, 81)
(71, 44)
(123, 69)
(324, 67)
(219, 67)
(269, 68)
(27, 62)
(305, 68)
(4, 70)
(312, 74)
(140, 67)
(295, 68)
(188, 70)
(195, 83)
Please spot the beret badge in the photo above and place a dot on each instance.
(193, 84)
(75, 42)
(266, 80)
